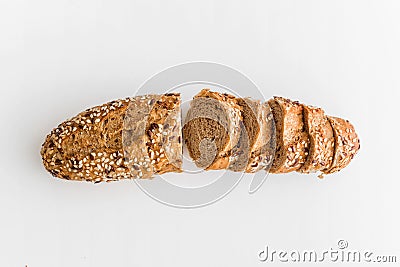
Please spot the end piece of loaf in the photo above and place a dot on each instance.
(292, 140)
(93, 146)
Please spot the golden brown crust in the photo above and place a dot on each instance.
(162, 130)
(82, 149)
(292, 139)
(134, 137)
(347, 144)
(321, 140)
(90, 146)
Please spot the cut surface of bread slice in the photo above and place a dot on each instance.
(320, 132)
(205, 138)
(93, 146)
(212, 118)
(346, 143)
(292, 140)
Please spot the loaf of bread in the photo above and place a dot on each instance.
(131, 138)
(279, 136)
(140, 137)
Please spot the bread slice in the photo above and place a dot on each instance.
(321, 140)
(346, 144)
(260, 133)
(163, 129)
(135, 137)
(212, 129)
(117, 140)
(239, 154)
(292, 140)
(248, 133)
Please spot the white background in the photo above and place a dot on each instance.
(60, 57)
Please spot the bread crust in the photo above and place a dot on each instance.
(163, 128)
(321, 140)
(347, 144)
(292, 141)
(135, 137)
(93, 146)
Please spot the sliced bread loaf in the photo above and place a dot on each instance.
(321, 140)
(292, 140)
(140, 137)
(117, 140)
(346, 144)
